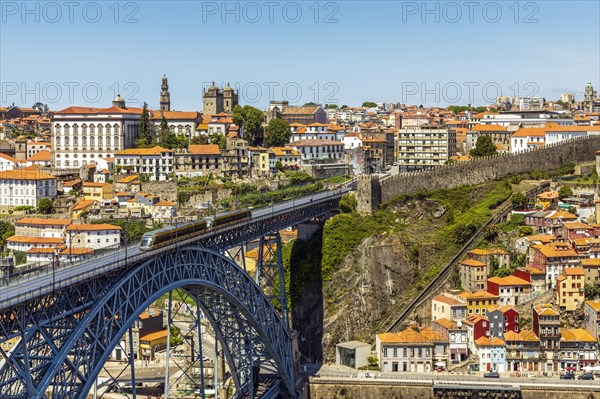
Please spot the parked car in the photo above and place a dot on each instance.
(567, 376)
(492, 374)
(585, 376)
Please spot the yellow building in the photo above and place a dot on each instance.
(96, 191)
(473, 274)
(591, 270)
(569, 288)
(7, 345)
(479, 302)
(149, 342)
(545, 200)
(81, 206)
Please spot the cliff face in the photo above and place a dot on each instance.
(349, 282)
(381, 273)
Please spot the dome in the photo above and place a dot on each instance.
(118, 99)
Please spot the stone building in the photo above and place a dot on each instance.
(165, 96)
(216, 100)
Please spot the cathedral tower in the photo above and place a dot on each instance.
(165, 96)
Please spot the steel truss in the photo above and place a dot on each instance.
(66, 337)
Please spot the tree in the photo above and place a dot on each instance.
(485, 147)
(163, 130)
(250, 120)
(219, 139)
(278, 133)
(169, 140)
(332, 106)
(7, 230)
(369, 104)
(279, 166)
(45, 206)
(519, 200)
(145, 137)
(564, 192)
(310, 104)
(202, 139)
(348, 203)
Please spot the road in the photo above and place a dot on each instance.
(335, 373)
(45, 282)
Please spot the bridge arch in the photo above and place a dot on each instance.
(235, 306)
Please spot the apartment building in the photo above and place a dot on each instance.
(424, 147)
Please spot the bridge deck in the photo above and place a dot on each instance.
(263, 221)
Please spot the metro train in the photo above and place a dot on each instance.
(168, 235)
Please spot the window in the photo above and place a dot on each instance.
(395, 352)
(385, 352)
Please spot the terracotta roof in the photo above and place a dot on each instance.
(43, 222)
(410, 336)
(530, 132)
(41, 156)
(8, 158)
(491, 251)
(561, 215)
(447, 324)
(481, 295)
(77, 251)
(472, 263)
(204, 149)
(576, 225)
(489, 128)
(594, 304)
(37, 250)
(533, 270)
(165, 203)
(96, 111)
(573, 271)
(546, 310)
(94, 184)
(154, 336)
(523, 335)
(593, 262)
(508, 281)
(284, 151)
(548, 195)
(447, 300)
(82, 204)
(128, 179)
(308, 110)
(25, 174)
(550, 252)
(576, 335)
(92, 227)
(543, 238)
(179, 115)
(156, 150)
(34, 240)
(485, 341)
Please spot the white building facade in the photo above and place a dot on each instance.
(25, 187)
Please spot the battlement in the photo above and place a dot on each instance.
(474, 172)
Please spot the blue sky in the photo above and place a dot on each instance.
(345, 52)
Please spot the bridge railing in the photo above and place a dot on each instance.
(120, 258)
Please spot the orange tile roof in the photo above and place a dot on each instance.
(447, 324)
(77, 251)
(154, 336)
(447, 300)
(594, 304)
(37, 250)
(8, 158)
(508, 281)
(593, 262)
(313, 143)
(92, 227)
(482, 295)
(544, 238)
(41, 156)
(485, 341)
(43, 222)
(128, 179)
(410, 336)
(472, 263)
(156, 150)
(204, 149)
(82, 204)
(25, 174)
(491, 251)
(94, 184)
(573, 271)
(530, 132)
(283, 151)
(523, 335)
(34, 240)
(489, 128)
(546, 310)
(96, 111)
(548, 195)
(300, 110)
(165, 203)
(562, 215)
(576, 335)
(181, 115)
(550, 252)
(533, 270)
(576, 225)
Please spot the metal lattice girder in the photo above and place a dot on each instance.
(61, 355)
(270, 275)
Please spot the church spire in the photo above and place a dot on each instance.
(165, 96)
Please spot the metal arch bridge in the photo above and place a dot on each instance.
(69, 320)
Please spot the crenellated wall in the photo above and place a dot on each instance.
(474, 172)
